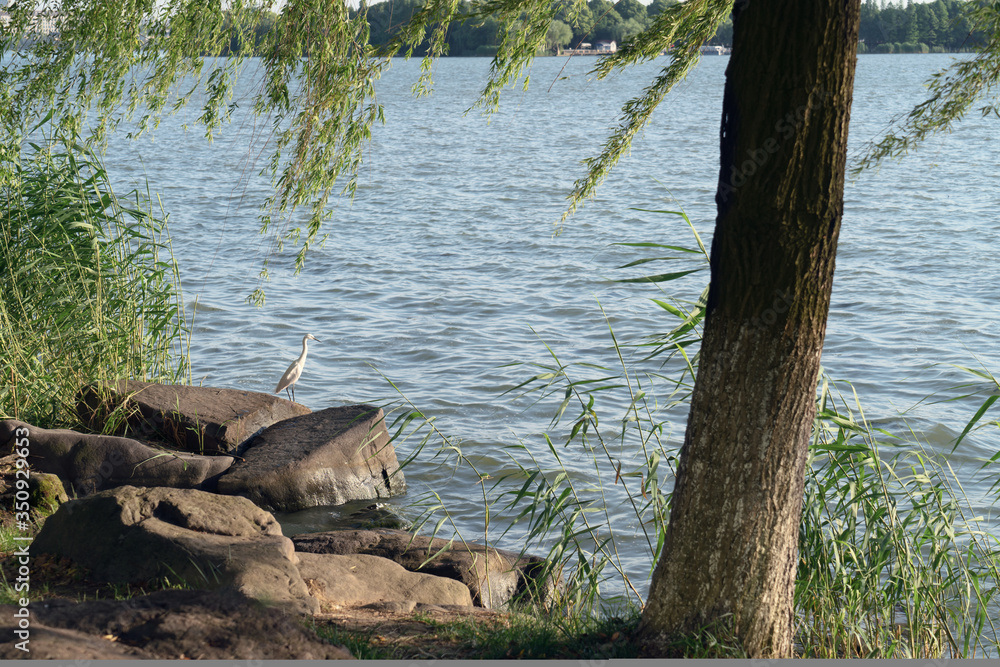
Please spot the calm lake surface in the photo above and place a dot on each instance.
(445, 267)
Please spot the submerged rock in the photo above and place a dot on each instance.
(203, 420)
(325, 458)
(377, 515)
(356, 514)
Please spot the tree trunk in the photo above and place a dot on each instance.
(731, 546)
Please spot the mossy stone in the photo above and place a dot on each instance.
(46, 491)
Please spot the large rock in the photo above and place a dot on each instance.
(325, 458)
(203, 420)
(218, 625)
(132, 535)
(89, 463)
(358, 580)
(494, 577)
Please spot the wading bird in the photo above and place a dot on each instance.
(294, 371)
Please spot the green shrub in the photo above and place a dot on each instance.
(912, 47)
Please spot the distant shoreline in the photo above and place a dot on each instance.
(567, 54)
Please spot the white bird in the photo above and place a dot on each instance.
(294, 371)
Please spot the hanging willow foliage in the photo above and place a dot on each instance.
(137, 60)
(97, 63)
(952, 93)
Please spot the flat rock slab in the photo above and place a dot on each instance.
(360, 580)
(132, 535)
(90, 463)
(494, 577)
(203, 420)
(171, 625)
(325, 458)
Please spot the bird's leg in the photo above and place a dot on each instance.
(293, 393)
(286, 393)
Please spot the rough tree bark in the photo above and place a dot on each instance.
(731, 547)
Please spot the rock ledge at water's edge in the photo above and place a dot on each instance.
(201, 420)
(325, 458)
(307, 460)
(146, 515)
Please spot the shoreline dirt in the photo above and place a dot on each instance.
(385, 630)
(153, 620)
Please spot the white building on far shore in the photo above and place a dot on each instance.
(43, 23)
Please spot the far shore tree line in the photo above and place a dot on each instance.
(886, 27)
(935, 27)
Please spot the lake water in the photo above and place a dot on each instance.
(445, 267)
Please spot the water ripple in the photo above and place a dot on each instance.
(446, 257)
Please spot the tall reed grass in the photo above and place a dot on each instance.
(893, 562)
(90, 291)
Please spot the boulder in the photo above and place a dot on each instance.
(90, 463)
(170, 625)
(137, 535)
(203, 420)
(325, 458)
(493, 576)
(359, 580)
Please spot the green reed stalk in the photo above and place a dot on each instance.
(91, 289)
(891, 562)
